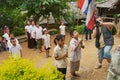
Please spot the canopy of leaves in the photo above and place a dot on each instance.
(10, 10)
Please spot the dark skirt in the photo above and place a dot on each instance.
(62, 70)
(29, 41)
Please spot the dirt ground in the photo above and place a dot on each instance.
(87, 64)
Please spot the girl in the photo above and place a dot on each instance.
(46, 39)
(27, 32)
(60, 54)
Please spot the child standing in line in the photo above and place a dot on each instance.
(9, 44)
(27, 33)
(75, 52)
(61, 54)
(46, 40)
(15, 49)
(38, 36)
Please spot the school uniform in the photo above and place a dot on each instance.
(62, 63)
(9, 44)
(32, 32)
(62, 29)
(6, 36)
(15, 51)
(46, 38)
(28, 28)
(75, 56)
(38, 31)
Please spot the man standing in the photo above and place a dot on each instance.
(104, 40)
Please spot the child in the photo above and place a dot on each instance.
(46, 39)
(15, 49)
(62, 28)
(6, 35)
(75, 52)
(38, 36)
(27, 32)
(9, 44)
(2, 44)
(60, 54)
(32, 32)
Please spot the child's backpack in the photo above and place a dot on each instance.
(114, 68)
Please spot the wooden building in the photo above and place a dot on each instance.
(108, 9)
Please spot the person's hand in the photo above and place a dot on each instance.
(81, 41)
(66, 54)
(101, 23)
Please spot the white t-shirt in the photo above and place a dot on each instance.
(62, 29)
(32, 31)
(9, 44)
(62, 63)
(15, 50)
(46, 39)
(6, 36)
(27, 27)
(75, 55)
(38, 32)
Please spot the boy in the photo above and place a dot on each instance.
(38, 36)
(9, 44)
(15, 49)
(75, 52)
(62, 28)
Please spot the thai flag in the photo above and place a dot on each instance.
(88, 7)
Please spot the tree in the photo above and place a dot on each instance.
(10, 14)
(44, 8)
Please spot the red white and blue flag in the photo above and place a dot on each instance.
(88, 7)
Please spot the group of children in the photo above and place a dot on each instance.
(37, 37)
(10, 43)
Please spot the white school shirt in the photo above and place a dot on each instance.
(27, 27)
(75, 55)
(62, 29)
(62, 63)
(38, 31)
(6, 36)
(46, 39)
(32, 31)
(9, 44)
(15, 50)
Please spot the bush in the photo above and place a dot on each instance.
(23, 69)
(54, 32)
(18, 31)
(80, 29)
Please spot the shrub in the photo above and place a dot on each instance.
(80, 29)
(18, 31)
(23, 69)
(54, 32)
